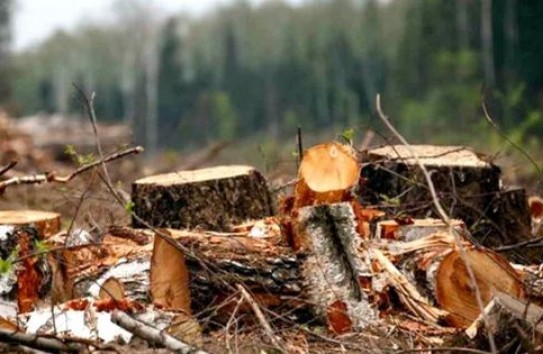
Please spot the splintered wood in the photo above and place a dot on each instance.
(213, 199)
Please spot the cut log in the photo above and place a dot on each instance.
(327, 174)
(169, 277)
(515, 325)
(214, 198)
(46, 223)
(465, 182)
(111, 289)
(334, 269)
(455, 292)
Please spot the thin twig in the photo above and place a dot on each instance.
(8, 167)
(152, 334)
(446, 219)
(260, 316)
(509, 140)
(49, 177)
(300, 145)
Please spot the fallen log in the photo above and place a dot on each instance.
(212, 199)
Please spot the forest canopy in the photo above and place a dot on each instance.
(243, 69)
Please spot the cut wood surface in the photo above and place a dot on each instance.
(454, 291)
(169, 285)
(326, 174)
(213, 198)
(47, 223)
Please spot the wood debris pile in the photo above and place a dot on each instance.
(356, 246)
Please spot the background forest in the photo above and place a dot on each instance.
(183, 82)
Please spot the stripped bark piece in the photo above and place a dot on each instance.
(169, 277)
(111, 289)
(410, 297)
(326, 175)
(454, 291)
(439, 240)
(332, 276)
(214, 198)
(46, 223)
(414, 230)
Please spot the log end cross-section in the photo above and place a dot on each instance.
(213, 198)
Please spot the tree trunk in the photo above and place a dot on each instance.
(487, 39)
(46, 223)
(214, 199)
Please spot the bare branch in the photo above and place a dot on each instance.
(152, 335)
(446, 219)
(8, 167)
(49, 177)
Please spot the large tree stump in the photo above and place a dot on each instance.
(465, 183)
(213, 198)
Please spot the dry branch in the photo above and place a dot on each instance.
(153, 335)
(49, 344)
(50, 177)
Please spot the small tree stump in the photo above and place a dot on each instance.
(46, 223)
(214, 198)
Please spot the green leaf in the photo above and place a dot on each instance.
(129, 207)
(5, 265)
(41, 246)
(348, 134)
(70, 150)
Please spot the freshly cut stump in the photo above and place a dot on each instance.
(213, 198)
(326, 175)
(454, 291)
(464, 180)
(46, 223)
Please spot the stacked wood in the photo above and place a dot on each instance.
(212, 199)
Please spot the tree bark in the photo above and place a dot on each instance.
(214, 199)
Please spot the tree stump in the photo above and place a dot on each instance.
(334, 269)
(214, 198)
(464, 180)
(46, 223)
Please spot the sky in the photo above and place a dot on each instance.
(35, 20)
